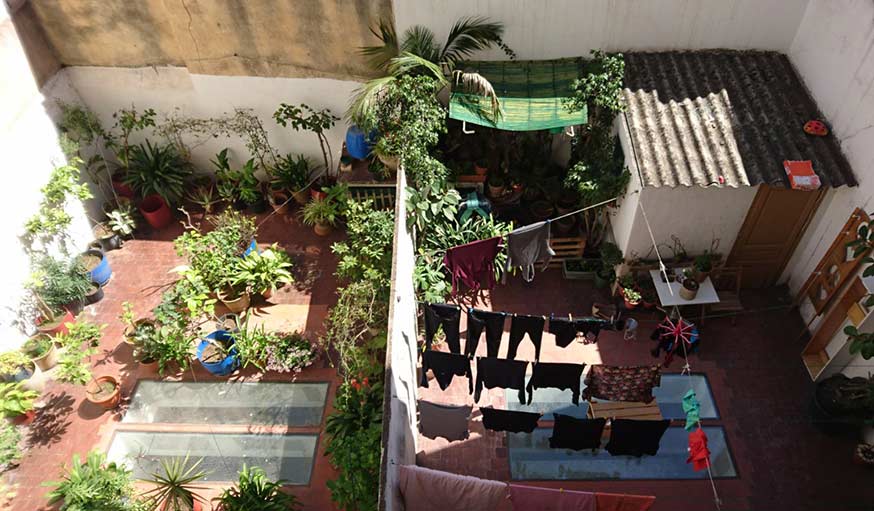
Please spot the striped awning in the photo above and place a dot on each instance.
(531, 92)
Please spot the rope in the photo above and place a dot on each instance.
(583, 209)
(662, 267)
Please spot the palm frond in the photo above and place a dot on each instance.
(364, 99)
(379, 56)
(469, 35)
(419, 41)
(407, 63)
(476, 83)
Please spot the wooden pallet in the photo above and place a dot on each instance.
(383, 197)
(624, 410)
(566, 248)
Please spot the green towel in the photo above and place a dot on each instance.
(692, 409)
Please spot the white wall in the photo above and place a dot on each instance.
(623, 217)
(29, 151)
(695, 215)
(833, 53)
(400, 435)
(570, 28)
(172, 90)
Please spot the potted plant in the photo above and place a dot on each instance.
(59, 287)
(541, 210)
(156, 211)
(289, 353)
(93, 485)
(568, 200)
(629, 291)
(122, 221)
(689, 286)
(611, 256)
(106, 237)
(255, 491)
(321, 215)
(42, 351)
(703, 265)
(94, 294)
(229, 322)
(264, 272)
(841, 404)
(174, 488)
(346, 163)
(15, 366)
(236, 298)
(381, 151)
(497, 185)
(648, 294)
(481, 167)
(292, 174)
(16, 402)
(217, 353)
(75, 367)
(96, 265)
(157, 170)
(203, 197)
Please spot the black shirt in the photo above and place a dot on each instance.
(577, 434)
(445, 366)
(558, 375)
(636, 437)
(509, 420)
(500, 372)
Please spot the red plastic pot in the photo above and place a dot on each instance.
(317, 194)
(156, 211)
(59, 326)
(122, 190)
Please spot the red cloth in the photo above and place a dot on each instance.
(532, 498)
(473, 263)
(424, 489)
(699, 454)
(618, 502)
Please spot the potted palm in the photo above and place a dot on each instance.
(321, 215)
(174, 488)
(255, 491)
(265, 271)
(158, 174)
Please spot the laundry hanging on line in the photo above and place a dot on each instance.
(533, 498)
(692, 409)
(587, 329)
(557, 375)
(448, 317)
(527, 246)
(522, 324)
(513, 421)
(492, 322)
(445, 367)
(699, 454)
(636, 437)
(473, 264)
(670, 334)
(577, 434)
(447, 421)
(622, 383)
(500, 372)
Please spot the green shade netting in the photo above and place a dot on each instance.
(531, 93)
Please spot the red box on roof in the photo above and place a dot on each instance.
(801, 175)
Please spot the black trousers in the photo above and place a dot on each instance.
(492, 322)
(521, 325)
(448, 316)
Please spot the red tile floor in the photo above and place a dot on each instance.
(69, 424)
(758, 382)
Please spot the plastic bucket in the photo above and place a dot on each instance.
(226, 366)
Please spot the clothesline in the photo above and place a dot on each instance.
(582, 209)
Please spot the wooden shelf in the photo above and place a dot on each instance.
(815, 362)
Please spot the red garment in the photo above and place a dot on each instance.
(618, 502)
(473, 263)
(699, 454)
(532, 498)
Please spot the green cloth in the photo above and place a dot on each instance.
(472, 204)
(531, 93)
(692, 409)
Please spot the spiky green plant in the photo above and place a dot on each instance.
(174, 486)
(255, 491)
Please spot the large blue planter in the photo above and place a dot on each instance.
(226, 366)
(100, 274)
(253, 247)
(358, 144)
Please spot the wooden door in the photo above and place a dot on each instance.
(774, 224)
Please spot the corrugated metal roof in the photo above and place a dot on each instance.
(695, 116)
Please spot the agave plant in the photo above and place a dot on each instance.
(417, 52)
(174, 489)
(155, 169)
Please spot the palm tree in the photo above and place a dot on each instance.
(418, 53)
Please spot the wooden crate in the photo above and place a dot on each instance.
(624, 410)
(566, 248)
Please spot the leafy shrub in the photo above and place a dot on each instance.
(15, 399)
(263, 271)
(93, 486)
(367, 252)
(10, 452)
(59, 283)
(11, 362)
(213, 256)
(254, 491)
(52, 219)
(354, 444)
(290, 353)
(291, 173)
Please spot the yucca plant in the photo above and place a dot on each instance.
(174, 486)
(155, 169)
(255, 491)
(417, 52)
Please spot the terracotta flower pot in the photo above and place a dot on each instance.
(56, 326)
(95, 392)
(122, 189)
(235, 303)
(156, 211)
(279, 201)
(322, 229)
(301, 197)
(24, 418)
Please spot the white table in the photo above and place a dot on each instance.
(706, 292)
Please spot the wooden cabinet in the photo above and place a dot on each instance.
(846, 310)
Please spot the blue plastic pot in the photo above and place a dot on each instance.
(101, 273)
(358, 145)
(226, 366)
(253, 247)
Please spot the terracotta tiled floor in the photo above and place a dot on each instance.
(758, 382)
(68, 424)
